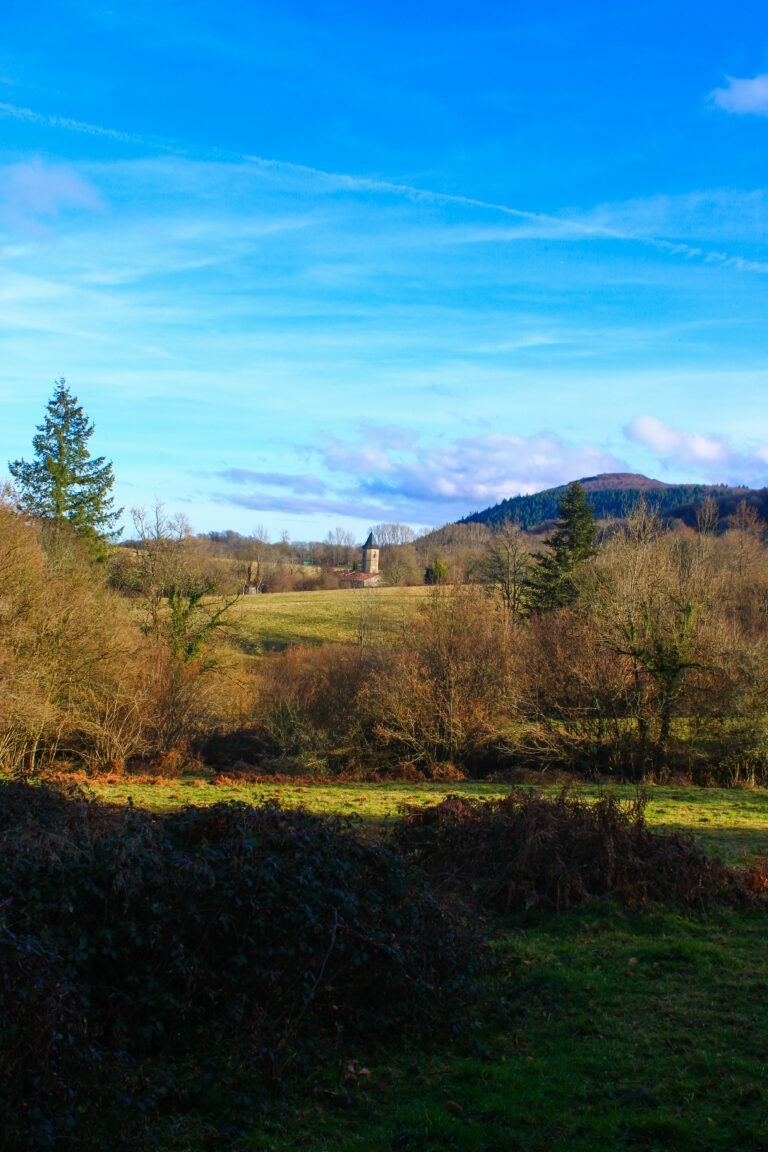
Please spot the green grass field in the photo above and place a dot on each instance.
(273, 621)
(598, 1030)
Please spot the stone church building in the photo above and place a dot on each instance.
(369, 575)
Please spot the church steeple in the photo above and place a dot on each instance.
(370, 555)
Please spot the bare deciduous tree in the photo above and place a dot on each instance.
(392, 535)
(340, 547)
(442, 694)
(175, 582)
(505, 567)
(650, 599)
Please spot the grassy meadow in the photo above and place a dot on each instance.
(598, 1030)
(273, 621)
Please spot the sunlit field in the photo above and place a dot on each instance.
(277, 619)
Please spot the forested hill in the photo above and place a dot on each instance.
(614, 495)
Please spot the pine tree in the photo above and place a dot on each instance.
(63, 484)
(552, 583)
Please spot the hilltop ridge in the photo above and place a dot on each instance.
(619, 482)
(615, 494)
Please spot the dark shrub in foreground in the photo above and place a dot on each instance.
(231, 935)
(43, 1044)
(532, 851)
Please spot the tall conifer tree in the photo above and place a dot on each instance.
(552, 583)
(63, 484)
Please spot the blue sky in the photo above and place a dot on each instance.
(318, 265)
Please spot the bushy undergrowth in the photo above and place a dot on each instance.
(223, 937)
(307, 708)
(44, 1045)
(531, 851)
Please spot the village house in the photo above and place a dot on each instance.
(368, 576)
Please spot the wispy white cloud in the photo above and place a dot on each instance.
(301, 484)
(401, 477)
(533, 225)
(35, 189)
(667, 442)
(391, 436)
(337, 180)
(358, 459)
(743, 96)
(713, 458)
(307, 505)
(703, 215)
(435, 483)
(456, 476)
(471, 472)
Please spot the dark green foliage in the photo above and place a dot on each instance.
(532, 851)
(551, 584)
(249, 935)
(436, 573)
(43, 1043)
(63, 484)
(677, 500)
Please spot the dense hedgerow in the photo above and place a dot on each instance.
(229, 935)
(531, 851)
(44, 1045)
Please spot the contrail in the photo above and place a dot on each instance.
(590, 231)
(370, 184)
(31, 117)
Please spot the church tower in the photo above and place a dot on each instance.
(370, 555)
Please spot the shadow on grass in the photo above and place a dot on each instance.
(733, 845)
(259, 645)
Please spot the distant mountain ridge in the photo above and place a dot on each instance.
(618, 481)
(615, 494)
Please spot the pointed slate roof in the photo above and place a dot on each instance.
(370, 542)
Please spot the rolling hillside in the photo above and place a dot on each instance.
(614, 494)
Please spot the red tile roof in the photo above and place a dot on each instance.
(359, 577)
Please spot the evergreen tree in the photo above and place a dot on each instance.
(436, 573)
(63, 484)
(552, 583)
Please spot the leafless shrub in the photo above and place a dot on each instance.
(532, 851)
(443, 693)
